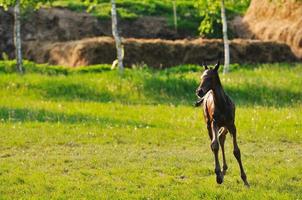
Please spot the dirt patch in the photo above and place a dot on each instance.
(48, 25)
(58, 24)
(6, 33)
(273, 20)
(155, 52)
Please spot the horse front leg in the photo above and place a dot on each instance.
(215, 149)
(222, 135)
(237, 154)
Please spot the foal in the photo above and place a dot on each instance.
(219, 114)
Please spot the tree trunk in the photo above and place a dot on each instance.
(175, 15)
(225, 39)
(118, 42)
(17, 37)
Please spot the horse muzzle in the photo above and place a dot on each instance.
(199, 92)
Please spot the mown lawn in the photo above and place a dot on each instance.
(92, 134)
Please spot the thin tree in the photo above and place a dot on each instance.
(17, 37)
(117, 38)
(175, 14)
(225, 39)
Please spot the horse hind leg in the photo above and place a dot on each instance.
(237, 154)
(222, 135)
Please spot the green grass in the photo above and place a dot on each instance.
(92, 134)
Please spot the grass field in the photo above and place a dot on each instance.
(92, 134)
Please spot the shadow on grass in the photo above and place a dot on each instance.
(29, 115)
(72, 91)
(263, 95)
(170, 90)
(156, 90)
(166, 90)
(182, 91)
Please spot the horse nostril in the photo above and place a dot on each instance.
(199, 92)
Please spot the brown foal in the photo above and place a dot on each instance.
(219, 114)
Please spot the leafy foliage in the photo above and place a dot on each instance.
(210, 11)
(24, 3)
(204, 14)
(191, 14)
(188, 14)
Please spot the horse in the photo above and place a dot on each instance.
(219, 114)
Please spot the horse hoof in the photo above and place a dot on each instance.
(219, 179)
(247, 184)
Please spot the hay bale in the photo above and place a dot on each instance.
(155, 52)
(279, 21)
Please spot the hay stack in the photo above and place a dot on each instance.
(279, 21)
(155, 52)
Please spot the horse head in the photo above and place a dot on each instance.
(208, 80)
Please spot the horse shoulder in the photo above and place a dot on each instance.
(209, 105)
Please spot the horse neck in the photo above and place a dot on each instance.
(220, 96)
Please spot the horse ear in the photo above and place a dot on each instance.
(205, 65)
(217, 66)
